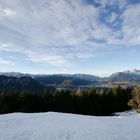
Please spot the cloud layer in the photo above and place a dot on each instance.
(61, 32)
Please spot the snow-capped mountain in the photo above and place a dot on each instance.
(130, 76)
(15, 74)
(132, 71)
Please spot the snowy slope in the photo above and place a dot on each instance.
(59, 126)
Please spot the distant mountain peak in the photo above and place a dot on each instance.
(133, 71)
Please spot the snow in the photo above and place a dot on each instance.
(126, 113)
(132, 71)
(60, 126)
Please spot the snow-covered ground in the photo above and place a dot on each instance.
(60, 126)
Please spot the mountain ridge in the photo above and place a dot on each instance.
(22, 84)
(66, 80)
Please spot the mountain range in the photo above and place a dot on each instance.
(130, 76)
(21, 81)
(22, 84)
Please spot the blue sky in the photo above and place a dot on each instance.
(69, 36)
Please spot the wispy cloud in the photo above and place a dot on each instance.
(6, 62)
(60, 32)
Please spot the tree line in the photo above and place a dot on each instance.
(135, 100)
(89, 101)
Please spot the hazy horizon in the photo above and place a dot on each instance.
(97, 37)
(94, 74)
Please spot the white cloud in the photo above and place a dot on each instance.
(57, 22)
(7, 12)
(58, 32)
(50, 59)
(131, 25)
(6, 62)
(129, 34)
(52, 26)
(8, 47)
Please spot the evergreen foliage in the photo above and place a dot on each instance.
(135, 101)
(88, 101)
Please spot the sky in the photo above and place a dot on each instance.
(97, 37)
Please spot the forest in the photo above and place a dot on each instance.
(88, 101)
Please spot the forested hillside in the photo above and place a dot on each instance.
(88, 101)
(19, 85)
